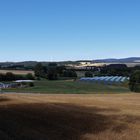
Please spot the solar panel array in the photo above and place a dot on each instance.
(2, 85)
(106, 79)
(6, 85)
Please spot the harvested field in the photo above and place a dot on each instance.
(69, 117)
(20, 72)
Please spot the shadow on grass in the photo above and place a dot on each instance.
(4, 99)
(53, 122)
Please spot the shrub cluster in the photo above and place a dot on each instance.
(134, 83)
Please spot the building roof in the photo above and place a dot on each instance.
(24, 81)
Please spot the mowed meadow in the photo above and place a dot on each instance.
(69, 116)
(19, 72)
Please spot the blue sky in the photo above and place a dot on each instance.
(57, 30)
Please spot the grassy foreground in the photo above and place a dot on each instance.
(71, 87)
(69, 117)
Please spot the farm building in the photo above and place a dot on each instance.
(24, 81)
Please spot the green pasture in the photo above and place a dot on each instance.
(71, 87)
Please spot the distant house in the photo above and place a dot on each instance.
(86, 63)
(24, 83)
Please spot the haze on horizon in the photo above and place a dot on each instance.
(52, 30)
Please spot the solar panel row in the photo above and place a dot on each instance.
(106, 79)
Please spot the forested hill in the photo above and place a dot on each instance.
(31, 64)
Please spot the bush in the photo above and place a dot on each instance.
(29, 76)
(52, 73)
(40, 70)
(88, 74)
(69, 73)
(52, 76)
(31, 84)
(10, 76)
(134, 83)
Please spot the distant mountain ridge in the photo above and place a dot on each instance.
(33, 63)
(122, 60)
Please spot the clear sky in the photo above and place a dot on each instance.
(56, 30)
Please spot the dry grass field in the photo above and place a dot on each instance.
(70, 117)
(20, 72)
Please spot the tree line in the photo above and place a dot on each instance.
(53, 72)
(134, 83)
(12, 77)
